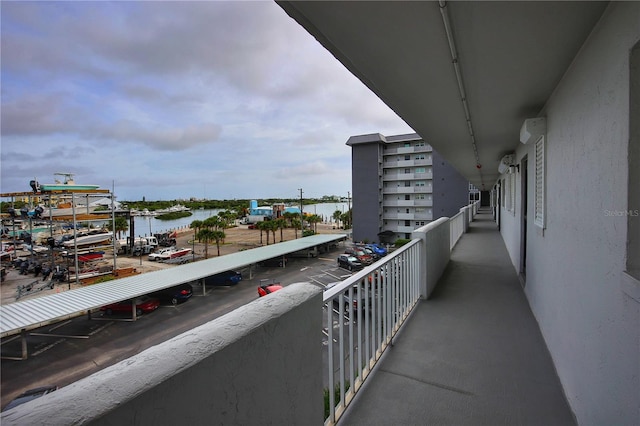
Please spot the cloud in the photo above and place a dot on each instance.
(160, 137)
(179, 99)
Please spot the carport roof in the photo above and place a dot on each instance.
(34, 313)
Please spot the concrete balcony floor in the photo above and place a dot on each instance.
(472, 354)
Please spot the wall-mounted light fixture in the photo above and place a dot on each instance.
(514, 168)
(505, 162)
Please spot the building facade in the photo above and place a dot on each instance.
(399, 184)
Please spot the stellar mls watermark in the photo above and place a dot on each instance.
(622, 213)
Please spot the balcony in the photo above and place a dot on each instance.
(402, 176)
(407, 189)
(472, 353)
(407, 216)
(407, 203)
(388, 164)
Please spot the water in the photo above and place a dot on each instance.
(148, 225)
(325, 210)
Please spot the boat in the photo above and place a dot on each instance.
(145, 212)
(169, 253)
(180, 252)
(89, 239)
(174, 209)
(66, 209)
(68, 184)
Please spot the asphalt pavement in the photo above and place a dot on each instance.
(64, 352)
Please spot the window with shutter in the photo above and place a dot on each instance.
(539, 188)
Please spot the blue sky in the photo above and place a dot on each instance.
(171, 100)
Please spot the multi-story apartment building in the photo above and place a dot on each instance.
(399, 184)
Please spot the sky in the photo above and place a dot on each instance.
(174, 100)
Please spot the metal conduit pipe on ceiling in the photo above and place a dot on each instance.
(456, 67)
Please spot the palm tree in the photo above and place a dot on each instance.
(289, 217)
(196, 225)
(262, 227)
(121, 225)
(273, 227)
(314, 219)
(281, 224)
(336, 216)
(346, 219)
(207, 235)
(227, 217)
(295, 223)
(218, 236)
(214, 222)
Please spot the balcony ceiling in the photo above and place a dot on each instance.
(511, 56)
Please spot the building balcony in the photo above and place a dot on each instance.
(407, 203)
(407, 189)
(402, 216)
(402, 176)
(467, 351)
(388, 164)
(391, 150)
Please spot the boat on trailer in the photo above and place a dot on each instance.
(68, 184)
(88, 240)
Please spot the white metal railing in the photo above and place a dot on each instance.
(456, 224)
(364, 312)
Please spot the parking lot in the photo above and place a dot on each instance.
(64, 352)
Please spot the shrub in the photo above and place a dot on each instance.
(400, 242)
(336, 397)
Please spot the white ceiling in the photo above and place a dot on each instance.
(512, 54)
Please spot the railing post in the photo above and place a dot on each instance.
(463, 210)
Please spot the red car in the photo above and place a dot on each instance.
(144, 304)
(359, 254)
(267, 287)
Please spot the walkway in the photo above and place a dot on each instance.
(470, 355)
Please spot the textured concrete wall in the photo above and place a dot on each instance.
(575, 268)
(436, 241)
(260, 364)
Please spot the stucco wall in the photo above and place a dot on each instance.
(436, 254)
(260, 364)
(450, 188)
(365, 181)
(575, 268)
(511, 221)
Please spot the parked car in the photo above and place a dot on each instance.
(363, 257)
(378, 249)
(267, 287)
(144, 304)
(30, 395)
(174, 295)
(349, 262)
(350, 303)
(276, 261)
(224, 278)
(370, 252)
